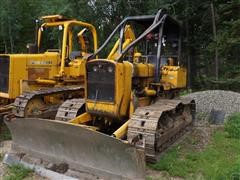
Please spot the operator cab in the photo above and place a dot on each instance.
(160, 46)
(60, 34)
(165, 46)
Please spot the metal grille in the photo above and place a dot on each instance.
(4, 73)
(101, 82)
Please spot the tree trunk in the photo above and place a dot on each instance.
(10, 35)
(5, 47)
(215, 40)
(188, 58)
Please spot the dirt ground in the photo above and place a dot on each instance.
(199, 134)
(4, 148)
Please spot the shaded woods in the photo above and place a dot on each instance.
(211, 30)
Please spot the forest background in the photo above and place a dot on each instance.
(211, 30)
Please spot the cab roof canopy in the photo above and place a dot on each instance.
(55, 18)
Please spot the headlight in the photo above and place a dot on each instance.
(110, 69)
(95, 68)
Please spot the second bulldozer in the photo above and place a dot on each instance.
(131, 110)
(54, 63)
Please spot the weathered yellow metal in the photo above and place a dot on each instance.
(123, 82)
(122, 131)
(83, 118)
(150, 92)
(143, 70)
(129, 36)
(33, 71)
(132, 105)
(67, 25)
(54, 18)
(175, 76)
(81, 40)
(46, 81)
(114, 49)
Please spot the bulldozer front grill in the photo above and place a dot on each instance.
(4, 73)
(101, 81)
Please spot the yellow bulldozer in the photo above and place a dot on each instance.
(55, 59)
(131, 111)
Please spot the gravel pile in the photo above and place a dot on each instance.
(215, 105)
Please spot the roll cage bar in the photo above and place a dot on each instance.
(158, 21)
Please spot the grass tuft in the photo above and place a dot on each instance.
(17, 172)
(232, 126)
(235, 172)
(4, 132)
(185, 92)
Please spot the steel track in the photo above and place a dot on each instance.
(154, 128)
(22, 101)
(70, 109)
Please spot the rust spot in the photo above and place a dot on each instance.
(34, 73)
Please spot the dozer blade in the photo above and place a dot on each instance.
(81, 149)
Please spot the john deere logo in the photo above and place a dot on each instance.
(33, 62)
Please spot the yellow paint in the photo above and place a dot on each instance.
(67, 34)
(134, 84)
(83, 118)
(53, 18)
(129, 36)
(45, 81)
(122, 131)
(33, 71)
(143, 70)
(17, 71)
(150, 92)
(123, 105)
(174, 76)
(76, 68)
(114, 49)
(120, 107)
(81, 40)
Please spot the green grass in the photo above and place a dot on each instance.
(185, 92)
(232, 126)
(17, 172)
(235, 172)
(219, 160)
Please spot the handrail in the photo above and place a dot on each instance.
(131, 18)
(87, 25)
(147, 31)
(66, 25)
